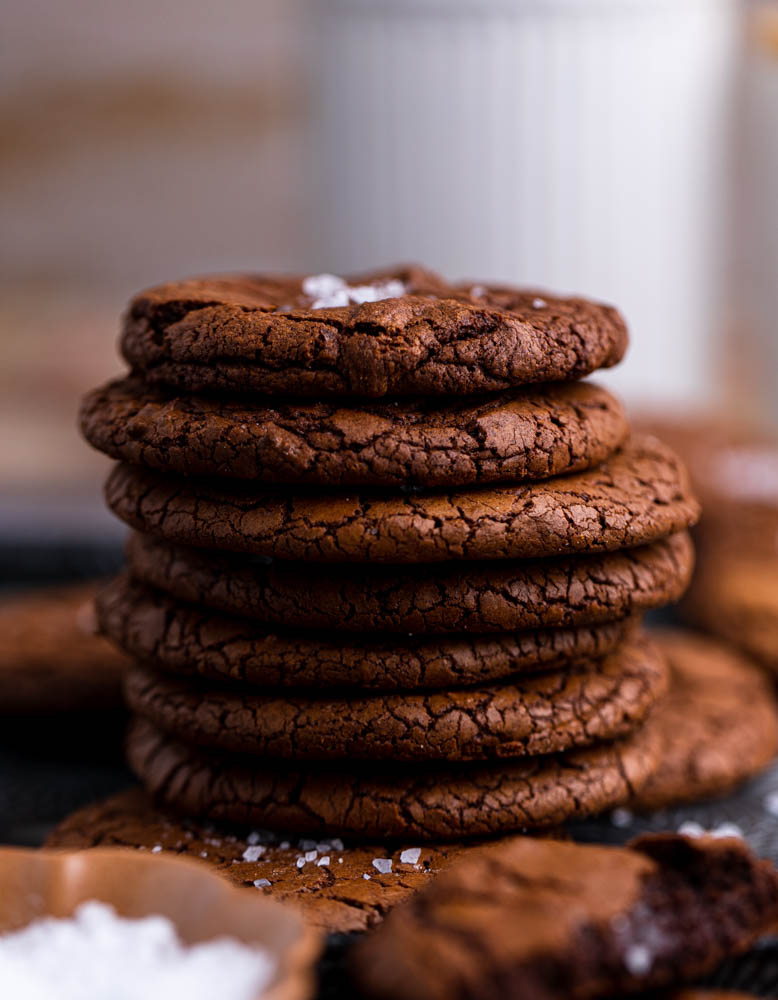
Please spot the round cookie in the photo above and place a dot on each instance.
(406, 332)
(588, 703)
(735, 596)
(51, 658)
(636, 497)
(525, 434)
(336, 884)
(493, 597)
(718, 726)
(189, 640)
(375, 800)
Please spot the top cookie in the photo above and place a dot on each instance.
(402, 332)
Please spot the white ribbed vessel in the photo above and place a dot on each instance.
(577, 144)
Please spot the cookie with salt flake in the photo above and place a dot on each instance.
(498, 596)
(193, 641)
(590, 702)
(401, 332)
(555, 920)
(339, 885)
(378, 799)
(523, 434)
(637, 496)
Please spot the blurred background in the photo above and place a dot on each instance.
(624, 149)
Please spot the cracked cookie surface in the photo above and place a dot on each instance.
(637, 496)
(379, 800)
(526, 434)
(333, 881)
(491, 597)
(718, 725)
(263, 334)
(193, 641)
(553, 920)
(586, 703)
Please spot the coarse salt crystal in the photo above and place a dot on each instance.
(638, 959)
(311, 855)
(366, 877)
(156, 848)
(323, 861)
(410, 856)
(621, 817)
(254, 853)
(262, 883)
(300, 862)
(97, 954)
(539, 303)
(383, 865)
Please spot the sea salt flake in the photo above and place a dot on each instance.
(323, 861)
(337, 844)
(691, 829)
(156, 848)
(638, 959)
(477, 292)
(253, 838)
(328, 291)
(621, 818)
(383, 865)
(727, 830)
(284, 845)
(307, 845)
(311, 855)
(366, 877)
(254, 853)
(410, 856)
(300, 862)
(262, 883)
(539, 303)
(771, 803)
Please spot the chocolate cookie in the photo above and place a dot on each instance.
(493, 597)
(636, 497)
(718, 725)
(339, 886)
(51, 657)
(587, 703)
(554, 921)
(523, 434)
(379, 800)
(188, 640)
(735, 596)
(406, 332)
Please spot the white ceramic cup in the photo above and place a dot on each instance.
(574, 144)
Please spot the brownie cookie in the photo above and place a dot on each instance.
(339, 886)
(494, 597)
(406, 332)
(51, 657)
(188, 640)
(718, 725)
(636, 497)
(548, 920)
(523, 434)
(735, 596)
(373, 799)
(588, 703)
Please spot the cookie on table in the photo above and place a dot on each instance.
(194, 641)
(552, 920)
(376, 799)
(718, 725)
(339, 885)
(51, 658)
(402, 332)
(589, 702)
(735, 596)
(525, 434)
(637, 496)
(482, 597)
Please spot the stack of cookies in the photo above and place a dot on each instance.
(389, 555)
